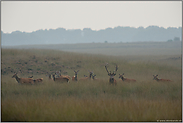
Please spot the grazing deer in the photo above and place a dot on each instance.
(111, 79)
(61, 79)
(75, 77)
(121, 76)
(162, 80)
(23, 80)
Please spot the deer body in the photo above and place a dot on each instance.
(162, 80)
(40, 80)
(121, 76)
(61, 79)
(23, 80)
(84, 78)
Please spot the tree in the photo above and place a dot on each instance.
(176, 39)
(170, 40)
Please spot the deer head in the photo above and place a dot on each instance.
(155, 77)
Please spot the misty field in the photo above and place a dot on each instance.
(143, 100)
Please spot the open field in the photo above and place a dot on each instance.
(144, 100)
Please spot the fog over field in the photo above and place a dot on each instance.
(127, 54)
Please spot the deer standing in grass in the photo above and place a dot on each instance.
(162, 80)
(111, 79)
(61, 79)
(23, 80)
(75, 77)
(121, 76)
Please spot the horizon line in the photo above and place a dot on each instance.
(89, 28)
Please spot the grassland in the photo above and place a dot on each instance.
(145, 100)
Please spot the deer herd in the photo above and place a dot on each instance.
(57, 77)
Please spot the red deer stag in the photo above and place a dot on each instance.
(121, 76)
(23, 80)
(75, 77)
(111, 79)
(162, 80)
(61, 79)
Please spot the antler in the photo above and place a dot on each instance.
(106, 69)
(116, 67)
(76, 71)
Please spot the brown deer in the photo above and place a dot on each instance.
(121, 76)
(40, 80)
(111, 79)
(84, 78)
(75, 77)
(62, 76)
(23, 80)
(162, 80)
(61, 79)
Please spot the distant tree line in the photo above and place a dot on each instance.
(108, 35)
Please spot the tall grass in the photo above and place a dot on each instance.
(90, 101)
(145, 100)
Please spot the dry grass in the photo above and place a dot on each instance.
(145, 100)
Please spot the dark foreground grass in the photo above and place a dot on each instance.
(90, 109)
(91, 101)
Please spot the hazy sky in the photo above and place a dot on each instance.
(30, 16)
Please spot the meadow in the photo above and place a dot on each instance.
(144, 100)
